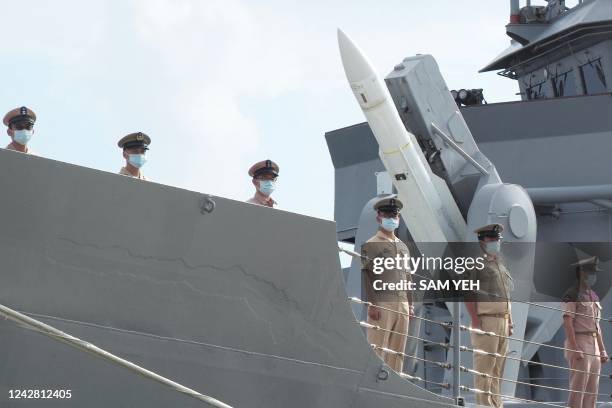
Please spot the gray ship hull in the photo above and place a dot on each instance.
(246, 304)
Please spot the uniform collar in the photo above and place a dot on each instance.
(124, 171)
(10, 147)
(381, 235)
(263, 200)
(491, 259)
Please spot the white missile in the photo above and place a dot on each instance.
(429, 212)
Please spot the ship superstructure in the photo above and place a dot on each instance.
(555, 142)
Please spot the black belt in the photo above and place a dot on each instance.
(587, 333)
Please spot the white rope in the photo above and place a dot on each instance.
(466, 328)
(478, 351)
(415, 378)
(399, 353)
(477, 391)
(485, 375)
(609, 320)
(351, 253)
(605, 319)
(363, 302)
(492, 334)
(59, 335)
(374, 327)
(482, 332)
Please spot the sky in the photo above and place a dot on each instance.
(221, 84)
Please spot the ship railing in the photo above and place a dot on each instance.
(449, 366)
(456, 348)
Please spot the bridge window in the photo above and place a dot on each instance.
(564, 84)
(593, 77)
(538, 91)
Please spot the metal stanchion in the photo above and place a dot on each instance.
(456, 352)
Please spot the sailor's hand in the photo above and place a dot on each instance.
(603, 356)
(373, 313)
(578, 355)
(411, 310)
(510, 328)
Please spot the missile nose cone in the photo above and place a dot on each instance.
(356, 65)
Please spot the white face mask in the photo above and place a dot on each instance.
(137, 160)
(389, 224)
(267, 187)
(493, 247)
(22, 136)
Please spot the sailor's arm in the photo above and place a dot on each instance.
(472, 308)
(409, 294)
(367, 265)
(410, 303)
(568, 326)
(602, 347)
(510, 320)
(471, 304)
(368, 281)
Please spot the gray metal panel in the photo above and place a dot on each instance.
(339, 139)
(588, 13)
(422, 98)
(354, 153)
(428, 111)
(537, 119)
(355, 186)
(254, 313)
(532, 143)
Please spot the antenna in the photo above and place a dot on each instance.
(515, 12)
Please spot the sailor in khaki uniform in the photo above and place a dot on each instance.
(135, 146)
(264, 175)
(491, 313)
(584, 335)
(20, 127)
(386, 245)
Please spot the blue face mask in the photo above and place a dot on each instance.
(390, 224)
(137, 160)
(267, 187)
(493, 247)
(22, 136)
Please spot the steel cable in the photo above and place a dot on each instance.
(477, 391)
(485, 375)
(446, 366)
(415, 378)
(492, 334)
(478, 351)
(374, 327)
(363, 302)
